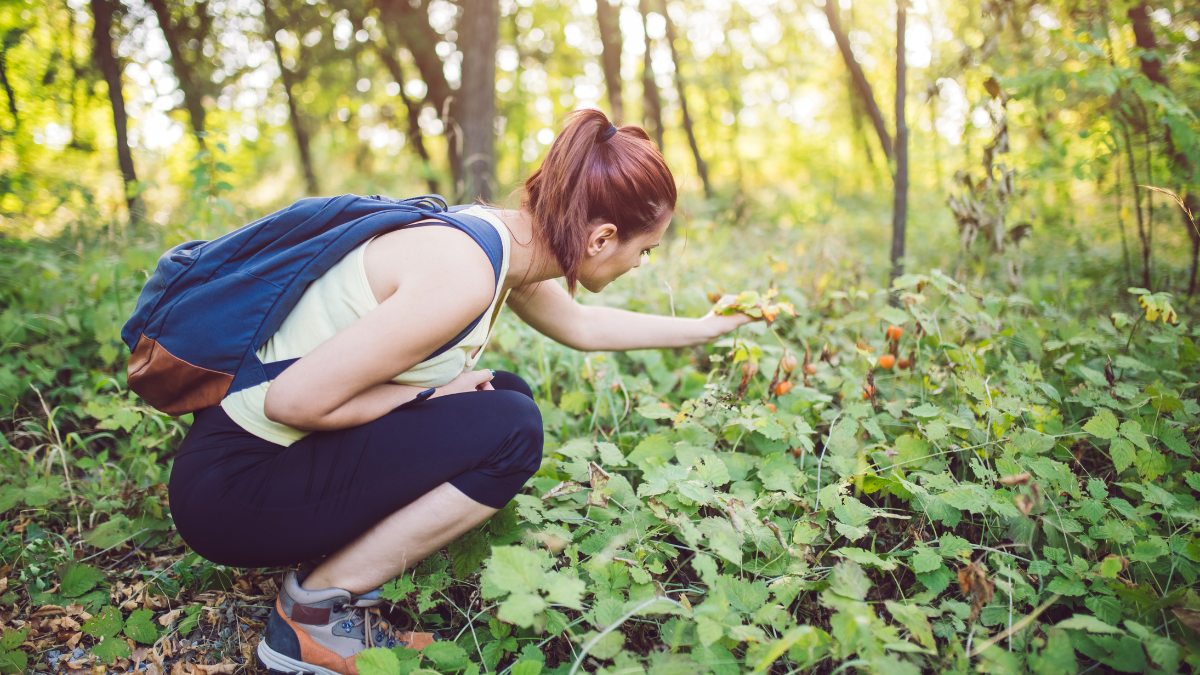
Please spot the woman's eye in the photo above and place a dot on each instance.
(646, 253)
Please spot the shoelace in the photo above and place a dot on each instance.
(379, 635)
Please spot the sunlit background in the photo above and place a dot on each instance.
(787, 140)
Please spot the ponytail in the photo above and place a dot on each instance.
(595, 173)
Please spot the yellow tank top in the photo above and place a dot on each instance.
(332, 302)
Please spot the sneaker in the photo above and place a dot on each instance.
(321, 632)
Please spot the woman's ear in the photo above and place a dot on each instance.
(603, 236)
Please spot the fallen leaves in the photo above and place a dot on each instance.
(975, 586)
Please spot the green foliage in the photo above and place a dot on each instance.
(12, 659)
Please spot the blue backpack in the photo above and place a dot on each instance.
(211, 305)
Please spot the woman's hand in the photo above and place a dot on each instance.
(720, 324)
(471, 380)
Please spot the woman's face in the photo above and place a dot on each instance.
(608, 258)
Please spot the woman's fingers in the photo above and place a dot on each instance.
(481, 379)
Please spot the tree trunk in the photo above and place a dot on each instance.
(859, 78)
(8, 90)
(1143, 33)
(1137, 203)
(289, 88)
(414, 114)
(609, 19)
(701, 167)
(479, 35)
(192, 94)
(1121, 226)
(900, 203)
(651, 101)
(106, 61)
(409, 26)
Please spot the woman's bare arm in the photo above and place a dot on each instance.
(442, 280)
(552, 312)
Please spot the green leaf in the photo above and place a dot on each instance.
(78, 579)
(110, 533)
(911, 449)
(936, 581)
(467, 553)
(607, 611)
(853, 512)
(652, 446)
(512, 569)
(1123, 454)
(140, 626)
(951, 546)
(1110, 567)
(925, 410)
(377, 662)
(12, 639)
(1150, 465)
(804, 532)
(564, 589)
(1163, 652)
(1132, 430)
(1148, 550)
(745, 596)
(722, 538)
(1193, 480)
(913, 618)
(1103, 425)
(105, 624)
(397, 589)
(111, 648)
(521, 608)
(653, 411)
(574, 402)
(446, 655)
(1057, 658)
(1088, 623)
(926, 560)
(608, 646)
(863, 557)
(848, 580)
(611, 455)
(13, 663)
(527, 668)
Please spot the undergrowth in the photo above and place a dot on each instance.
(1014, 492)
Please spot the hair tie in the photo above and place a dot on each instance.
(608, 133)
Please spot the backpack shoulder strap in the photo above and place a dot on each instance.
(489, 240)
(483, 233)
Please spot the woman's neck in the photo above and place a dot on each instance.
(531, 261)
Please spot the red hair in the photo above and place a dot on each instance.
(589, 177)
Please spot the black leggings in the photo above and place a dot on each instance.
(242, 501)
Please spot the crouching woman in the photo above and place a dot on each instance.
(377, 448)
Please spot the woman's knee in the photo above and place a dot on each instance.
(524, 422)
(506, 381)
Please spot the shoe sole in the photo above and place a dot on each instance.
(278, 664)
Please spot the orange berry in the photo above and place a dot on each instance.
(771, 407)
(810, 369)
(797, 452)
(788, 363)
(887, 362)
(868, 392)
(783, 388)
(903, 363)
(894, 333)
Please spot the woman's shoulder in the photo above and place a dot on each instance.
(428, 257)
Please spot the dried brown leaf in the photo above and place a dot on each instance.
(562, 489)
